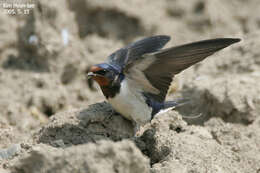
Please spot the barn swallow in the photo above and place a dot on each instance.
(135, 79)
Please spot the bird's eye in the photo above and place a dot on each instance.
(101, 72)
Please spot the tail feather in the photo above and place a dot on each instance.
(159, 108)
(175, 103)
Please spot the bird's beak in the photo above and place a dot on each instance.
(90, 75)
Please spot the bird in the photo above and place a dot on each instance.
(135, 79)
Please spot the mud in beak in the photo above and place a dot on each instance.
(90, 75)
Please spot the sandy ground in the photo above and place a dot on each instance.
(51, 121)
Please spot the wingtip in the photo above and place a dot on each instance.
(221, 42)
(235, 40)
(230, 41)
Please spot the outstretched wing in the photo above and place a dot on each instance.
(127, 55)
(155, 71)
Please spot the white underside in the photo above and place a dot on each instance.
(130, 103)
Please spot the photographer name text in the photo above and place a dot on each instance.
(18, 8)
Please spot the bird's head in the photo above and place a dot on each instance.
(103, 74)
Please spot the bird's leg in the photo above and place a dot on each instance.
(110, 115)
(113, 112)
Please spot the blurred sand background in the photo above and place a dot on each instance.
(47, 125)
